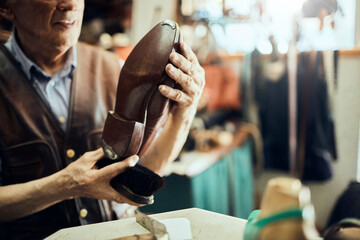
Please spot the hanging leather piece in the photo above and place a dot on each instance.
(305, 99)
(316, 126)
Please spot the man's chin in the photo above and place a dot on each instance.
(65, 43)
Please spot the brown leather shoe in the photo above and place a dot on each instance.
(140, 109)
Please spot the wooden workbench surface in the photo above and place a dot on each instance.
(205, 225)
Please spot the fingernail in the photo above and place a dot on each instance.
(161, 88)
(134, 159)
(175, 57)
(171, 68)
(184, 46)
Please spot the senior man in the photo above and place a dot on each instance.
(54, 97)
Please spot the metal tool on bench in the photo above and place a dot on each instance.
(155, 227)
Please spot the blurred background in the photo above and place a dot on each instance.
(281, 96)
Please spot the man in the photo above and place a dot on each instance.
(55, 94)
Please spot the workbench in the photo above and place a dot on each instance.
(205, 225)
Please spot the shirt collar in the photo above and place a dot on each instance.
(26, 64)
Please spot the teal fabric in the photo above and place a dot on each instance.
(210, 189)
(254, 225)
(226, 187)
(241, 172)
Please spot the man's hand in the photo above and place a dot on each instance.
(191, 77)
(185, 70)
(82, 178)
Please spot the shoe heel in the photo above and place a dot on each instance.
(121, 138)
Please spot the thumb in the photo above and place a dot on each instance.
(116, 168)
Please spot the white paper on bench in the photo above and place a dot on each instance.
(178, 228)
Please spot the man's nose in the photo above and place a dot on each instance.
(69, 5)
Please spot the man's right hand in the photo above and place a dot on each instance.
(82, 178)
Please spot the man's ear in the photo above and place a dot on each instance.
(7, 13)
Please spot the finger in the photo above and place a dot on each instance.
(109, 193)
(115, 169)
(188, 53)
(98, 153)
(182, 63)
(117, 197)
(174, 94)
(185, 81)
(93, 156)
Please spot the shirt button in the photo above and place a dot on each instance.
(52, 83)
(70, 153)
(62, 119)
(83, 213)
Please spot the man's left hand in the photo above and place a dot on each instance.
(185, 70)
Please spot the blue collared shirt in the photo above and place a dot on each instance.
(55, 90)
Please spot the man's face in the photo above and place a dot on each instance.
(54, 23)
